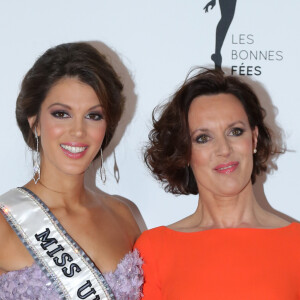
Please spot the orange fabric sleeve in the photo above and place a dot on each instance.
(151, 288)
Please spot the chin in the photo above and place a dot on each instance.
(233, 188)
(73, 171)
(229, 193)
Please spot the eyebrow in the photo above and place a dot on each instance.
(207, 130)
(69, 107)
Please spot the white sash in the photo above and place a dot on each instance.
(67, 266)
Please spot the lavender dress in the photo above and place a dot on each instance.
(32, 284)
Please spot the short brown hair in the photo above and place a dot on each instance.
(79, 60)
(168, 151)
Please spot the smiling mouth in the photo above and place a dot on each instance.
(73, 149)
(227, 168)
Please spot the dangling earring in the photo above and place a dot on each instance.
(36, 160)
(254, 151)
(102, 169)
(187, 174)
(116, 169)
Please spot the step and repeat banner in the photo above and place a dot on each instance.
(153, 45)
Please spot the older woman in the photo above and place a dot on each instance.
(58, 239)
(211, 140)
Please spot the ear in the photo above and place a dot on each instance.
(254, 137)
(34, 124)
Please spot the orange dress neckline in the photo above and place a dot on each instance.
(230, 228)
(226, 263)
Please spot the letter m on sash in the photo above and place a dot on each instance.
(46, 241)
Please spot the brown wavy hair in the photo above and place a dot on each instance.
(74, 60)
(168, 151)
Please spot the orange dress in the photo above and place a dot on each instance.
(223, 264)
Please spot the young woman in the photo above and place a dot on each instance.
(211, 140)
(58, 239)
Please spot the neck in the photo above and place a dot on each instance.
(241, 210)
(60, 190)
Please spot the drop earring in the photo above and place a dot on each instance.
(102, 169)
(187, 174)
(116, 169)
(36, 160)
(255, 151)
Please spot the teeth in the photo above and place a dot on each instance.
(226, 168)
(73, 149)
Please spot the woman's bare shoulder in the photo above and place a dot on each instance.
(5, 232)
(280, 223)
(13, 254)
(125, 211)
(272, 220)
(116, 204)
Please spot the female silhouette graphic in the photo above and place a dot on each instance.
(227, 8)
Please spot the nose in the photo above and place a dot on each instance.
(223, 146)
(77, 128)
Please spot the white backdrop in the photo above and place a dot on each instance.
(153, 44)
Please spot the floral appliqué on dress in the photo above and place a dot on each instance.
(31, 283)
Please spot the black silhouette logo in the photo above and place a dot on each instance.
(227, 8)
